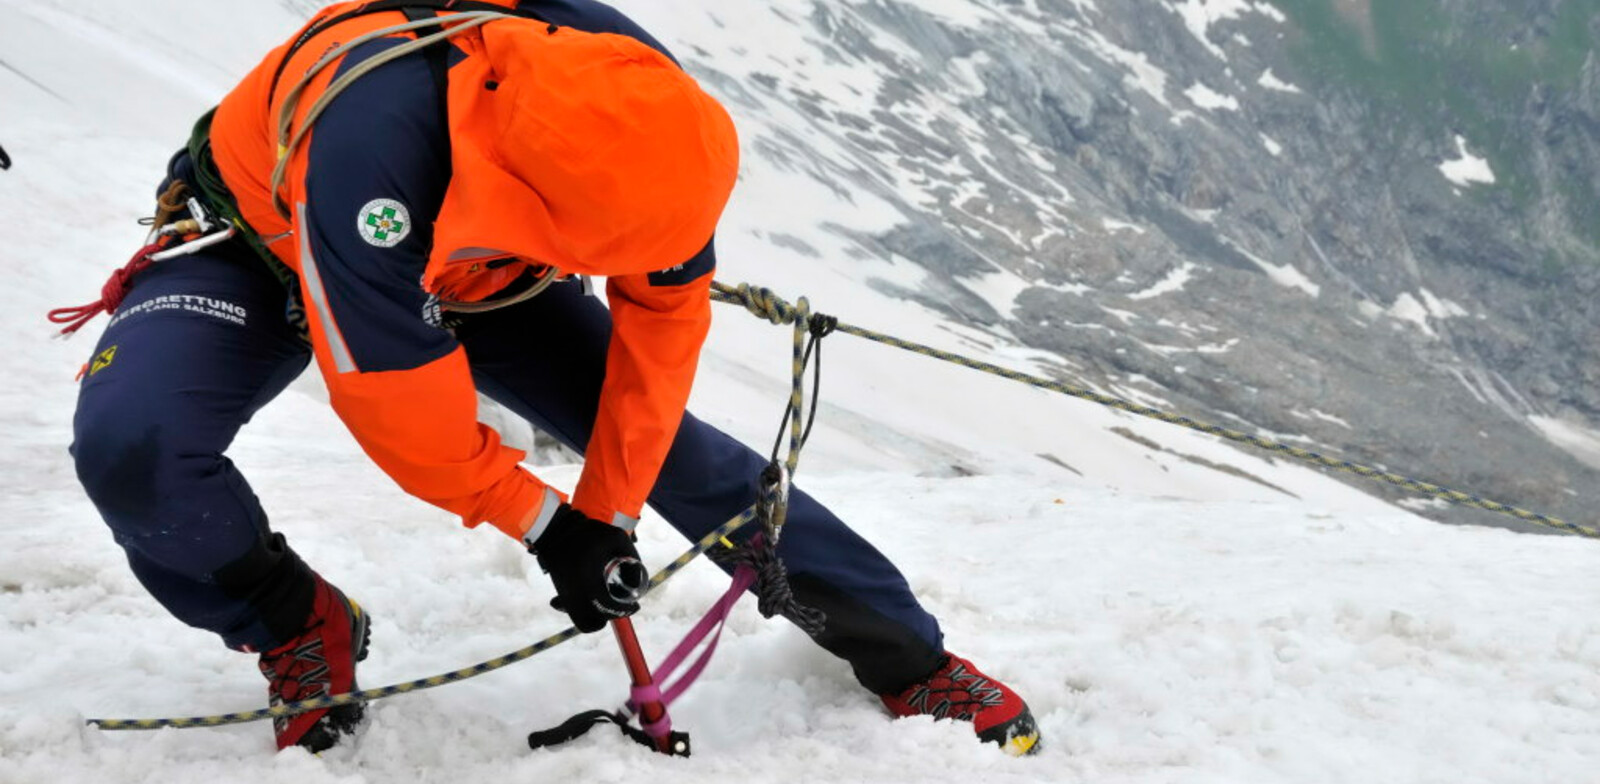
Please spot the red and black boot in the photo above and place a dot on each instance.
(958, 691)
(320, 661)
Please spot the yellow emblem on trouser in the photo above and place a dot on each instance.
(102, 360)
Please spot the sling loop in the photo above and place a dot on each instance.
(543, 278)
(578, 725)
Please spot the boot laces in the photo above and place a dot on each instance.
(955, 693)
(295, 672)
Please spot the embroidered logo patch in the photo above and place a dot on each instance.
(384, 223)
(102, 360)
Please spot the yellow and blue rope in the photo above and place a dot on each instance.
(368, 695)
(767, 305)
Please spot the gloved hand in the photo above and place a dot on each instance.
(594, 566)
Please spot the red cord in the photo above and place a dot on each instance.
(111, 295)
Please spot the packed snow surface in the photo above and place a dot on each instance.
(1166, 620)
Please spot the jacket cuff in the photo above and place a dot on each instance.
(606, 514)
(536, 502)
(542, 515)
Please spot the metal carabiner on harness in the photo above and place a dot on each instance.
(159, 246)
(200, 222)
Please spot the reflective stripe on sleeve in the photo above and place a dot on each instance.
(547, 511)
(342, 360)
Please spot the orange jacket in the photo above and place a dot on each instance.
(589, 152)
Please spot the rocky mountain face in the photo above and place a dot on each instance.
(1368, 231)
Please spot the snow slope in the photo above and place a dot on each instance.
(1166, 620)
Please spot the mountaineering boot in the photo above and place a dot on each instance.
(320, 661)
(957, 690)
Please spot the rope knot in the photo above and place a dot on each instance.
(765, 303)
(822, 325)
(774, 595)
(116, 288)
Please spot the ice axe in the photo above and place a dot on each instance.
(626, 578)
(646, 698)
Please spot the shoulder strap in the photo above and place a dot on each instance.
(413, 9)
(438, 57)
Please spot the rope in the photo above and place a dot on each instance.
(774, 594)
(773, 497)
(111, 294)
(818, 327)
(289, 138)
(765, 304)
(369, 695)
(541, 281)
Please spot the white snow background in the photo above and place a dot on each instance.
(1166, 621)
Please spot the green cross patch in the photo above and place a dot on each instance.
(384, 222)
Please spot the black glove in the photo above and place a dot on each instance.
(595, 568)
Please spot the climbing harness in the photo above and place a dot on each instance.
(763, 303)
(212, 218)
(191, 234)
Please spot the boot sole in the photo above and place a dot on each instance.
(1018, 737)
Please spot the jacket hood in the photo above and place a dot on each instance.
(590, 152)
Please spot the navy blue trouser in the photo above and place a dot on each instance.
(201, 344)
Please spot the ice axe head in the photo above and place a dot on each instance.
(626, 579)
